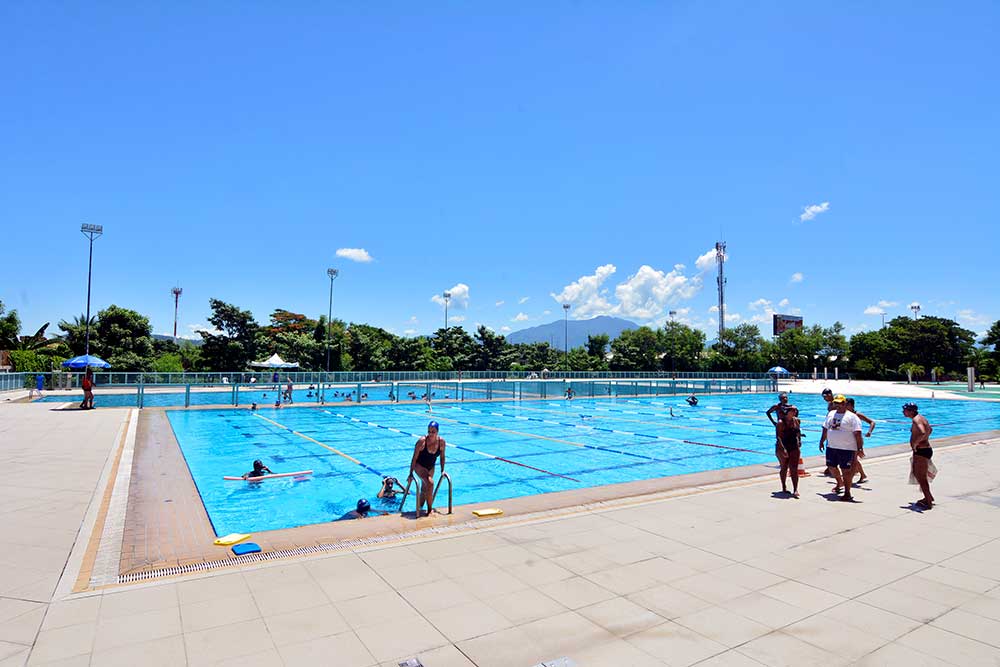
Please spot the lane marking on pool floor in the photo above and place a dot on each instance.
(314, 440)
(455, 445)
(606, 430)
(609, 430)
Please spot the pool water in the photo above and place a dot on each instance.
(567, 444)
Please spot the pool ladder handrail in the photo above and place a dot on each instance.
(411, 480)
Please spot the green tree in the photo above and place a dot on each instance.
(597, 349)
(741, 348)
(910, 369)
(683, 346)
(167, 363)
(125, 339)
(636, 350)
(874, 355)
(456, 344)
(934, 341)
(490, 350)
(75, 333)
(234, 347)
(10, 328)
(190, 355)
(29, 361)
(369, 347)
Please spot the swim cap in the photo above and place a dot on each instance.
(783, 394)
(827, 391)
(433, 425)
(258, 464)
(910, 406)
(363, 506)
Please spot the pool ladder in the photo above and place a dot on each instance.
(444, 476)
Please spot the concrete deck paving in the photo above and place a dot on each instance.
(732, 575)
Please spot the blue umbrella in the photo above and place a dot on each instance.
(778, 369)
(86, 361)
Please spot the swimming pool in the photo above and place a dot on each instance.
(222, 396)
(567, 444)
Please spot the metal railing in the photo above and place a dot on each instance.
(444, 476)
(71, 379)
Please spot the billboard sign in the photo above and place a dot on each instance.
(784, 322)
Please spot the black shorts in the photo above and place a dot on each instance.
(839, 458)
(925, 452)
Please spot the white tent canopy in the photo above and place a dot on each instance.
(274, 362)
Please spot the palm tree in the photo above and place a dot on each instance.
(75, 332)
(910, 369)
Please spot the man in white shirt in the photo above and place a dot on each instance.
(842, 434)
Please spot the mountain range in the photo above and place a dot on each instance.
(578, 330)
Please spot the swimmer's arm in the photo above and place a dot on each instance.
(870, 422)
(443, 447)
(416, 450)
(768, 413)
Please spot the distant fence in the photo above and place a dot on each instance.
(65, 380)
(400, 391)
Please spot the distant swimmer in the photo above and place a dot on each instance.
(691, 400)
(671, 411)
(253, 407)
(259, 470)
(570, 393)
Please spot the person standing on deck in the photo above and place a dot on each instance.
(920, 443)
(781, 408)
(842, 435)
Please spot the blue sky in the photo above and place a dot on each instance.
(510, 153)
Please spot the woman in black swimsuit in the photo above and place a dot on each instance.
(427, 450)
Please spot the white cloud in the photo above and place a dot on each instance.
(546, 312)
(887, 304)
(505, 328)
(733, 317)
(354, 254)
(195, 328)
(970, 317)
(459, 297)
(499, 303)
(797, 277)
(783, 303)
(523, 299)
(457, 318)
(414, 320)
(707, 260)
(410, 332)
(761, 304)
(520, 317)
(713, 309)
(647, 293)
(874, 310)
(811, 211)
(585, 293)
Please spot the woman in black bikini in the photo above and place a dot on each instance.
(425, 453)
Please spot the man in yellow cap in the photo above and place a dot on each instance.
(842, 434)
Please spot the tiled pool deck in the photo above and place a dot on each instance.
(712, 575)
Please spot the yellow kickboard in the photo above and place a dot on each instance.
(492, 511)
(231, 538)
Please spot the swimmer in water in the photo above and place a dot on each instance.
(691, 400)
(259, 470)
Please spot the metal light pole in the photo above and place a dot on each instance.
(447, 298)
(333, 273)
(673, 344)
(176, 291)
(566, 335)
(916, 310)
(91, 232)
